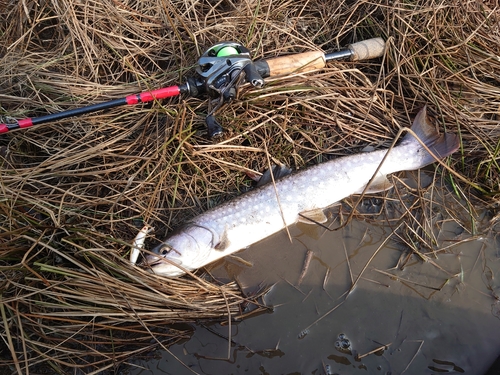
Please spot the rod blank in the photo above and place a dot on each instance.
(143, 97)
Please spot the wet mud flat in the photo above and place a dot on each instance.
(407, 314)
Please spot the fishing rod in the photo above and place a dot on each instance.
(220, 71)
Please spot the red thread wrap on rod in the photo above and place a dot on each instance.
(148, 96)
(25, 123)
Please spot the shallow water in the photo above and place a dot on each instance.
(439, 317)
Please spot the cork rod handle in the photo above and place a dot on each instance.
(300, 62)
(308, 61)
(367, 49)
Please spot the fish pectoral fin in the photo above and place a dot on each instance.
(313, 216)
(223, 243)
(379, 184)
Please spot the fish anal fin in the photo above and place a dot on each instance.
(313, 216)
(381, 183)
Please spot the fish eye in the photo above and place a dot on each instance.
(165, 250)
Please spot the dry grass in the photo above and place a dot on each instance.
(73, 194)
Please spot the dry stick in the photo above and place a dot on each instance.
(348, 262)
(307, 261)
(418, 350)
(361, 356)
(9, 337)
(424, 257)
(370, 260)
(428, 231)
(324, 315)
(24, 261)
(408, 211)
(307, 295)
(228, 338)
(23, 336)
(229, 327)
(406, 280)
(203, 149)
(325, 279)
(275, 189)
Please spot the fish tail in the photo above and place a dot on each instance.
(441, 145)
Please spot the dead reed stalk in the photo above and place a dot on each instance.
(73, 194)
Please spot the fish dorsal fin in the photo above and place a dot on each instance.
(313, 216)
(278, 172)
(381, 183)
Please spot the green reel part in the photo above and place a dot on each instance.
(227, 51)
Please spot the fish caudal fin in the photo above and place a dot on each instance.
(440, 145)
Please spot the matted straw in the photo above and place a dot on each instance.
(74, 194)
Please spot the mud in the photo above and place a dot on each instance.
(431, 317)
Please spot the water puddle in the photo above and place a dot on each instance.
(407, 314)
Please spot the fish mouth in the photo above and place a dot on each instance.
(157, 255)
(155, 260)
(164, 260)
(163, 266)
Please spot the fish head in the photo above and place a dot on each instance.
(184, 251)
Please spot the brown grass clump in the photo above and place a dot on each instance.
(73, 194)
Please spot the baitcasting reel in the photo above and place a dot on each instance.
(221, 70)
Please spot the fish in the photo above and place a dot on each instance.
(259, 213)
